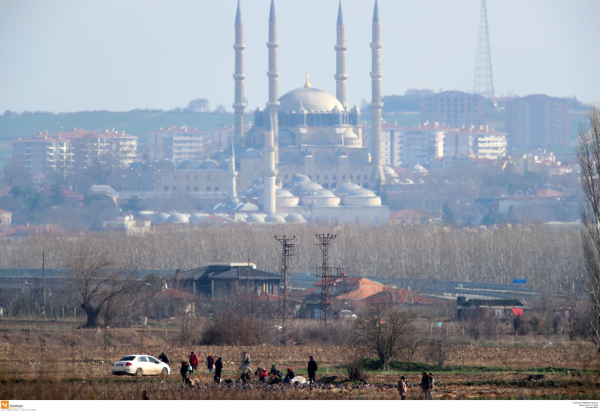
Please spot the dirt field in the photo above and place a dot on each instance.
(482, 372)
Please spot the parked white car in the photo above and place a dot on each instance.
(139, 365)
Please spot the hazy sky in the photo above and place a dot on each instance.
(71, 55)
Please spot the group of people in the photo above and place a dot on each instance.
(190, 366)
(274, 376)
(427, 384)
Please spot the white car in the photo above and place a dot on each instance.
(139, 365)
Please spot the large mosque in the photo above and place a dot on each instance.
(305, 156)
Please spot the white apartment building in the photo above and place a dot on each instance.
(177, 143)
(477, 141)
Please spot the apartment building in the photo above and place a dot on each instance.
(479, 142)
(70, 151)
(423, 144)
(537, 121)
(453, 108)
(177, 143)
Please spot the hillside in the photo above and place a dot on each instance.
(137, 123)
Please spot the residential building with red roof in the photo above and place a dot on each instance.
(67, 152)
(407, 217)
(22, 232)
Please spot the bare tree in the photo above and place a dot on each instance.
(383, 331)
(588, 155)
(96, 279)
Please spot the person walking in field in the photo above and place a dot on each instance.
(312, 369)
(424, 386)
(431, 385)
(210, 363)
(218, 369)
(402, 388)
(194, 361)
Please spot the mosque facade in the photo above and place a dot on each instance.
(306, 153)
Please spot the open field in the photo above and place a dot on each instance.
(39, 365)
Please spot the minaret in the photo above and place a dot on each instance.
(239, 105)
(376, 104)
(232, 174)
(340, 52)
(270, 172)
(273, 74)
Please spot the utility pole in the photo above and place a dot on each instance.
(328, 279)
(288, 248)
(44, 284)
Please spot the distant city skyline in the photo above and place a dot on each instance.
(67, 55)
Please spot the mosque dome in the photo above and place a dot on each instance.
(209, 164)
(178, 218)
(188, 165)
(362, 197)
(160, 218)
(306, 188)
(311, 99)
(197, 218)
(275, 219)
(420, 169)
(321, 198)
(345, 188)
(251, 153)
(388, 171)
(255, 218)
(283, 198)
(295, 218)
(299, 178)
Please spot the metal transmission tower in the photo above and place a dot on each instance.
(284, 286)
(328, 276)
(484, 82)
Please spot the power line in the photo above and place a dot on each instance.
(288, 248)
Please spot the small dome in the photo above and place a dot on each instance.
(178, 218)
(209, 164)
(246, 207)
(299, 178)
(283, 194)
(361, 192)
(255, 218)
(295, 218)
(275, 219)
(346, 188)
(196, 217)
(233, 201)
(388, 171)
(419, 169)
(251, 153)
(324, 193)
(161, 218)
(188, 165)
(306, 188)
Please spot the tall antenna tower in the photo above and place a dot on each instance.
(328, 276)
(484, 82)
(287, 253)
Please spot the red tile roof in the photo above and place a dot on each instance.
(398, 296)
(547, 192)
(181, 129)
(27, 230)
(406, 215)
